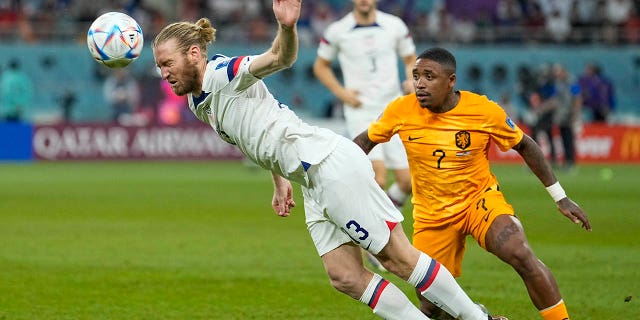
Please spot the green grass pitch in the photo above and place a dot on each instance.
(198, 240)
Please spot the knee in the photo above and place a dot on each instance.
(381, 180)
(346, 281)
(523, 260)
(404, 182)
(405, 186)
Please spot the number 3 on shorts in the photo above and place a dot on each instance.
(353, 225)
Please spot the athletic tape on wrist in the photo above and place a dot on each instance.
(556, 192)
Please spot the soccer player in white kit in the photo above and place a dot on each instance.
(345, 209)
(367, 43)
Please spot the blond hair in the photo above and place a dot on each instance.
(188, 34)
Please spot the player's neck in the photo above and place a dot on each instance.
(451, 102)
(202, 68)
(365, 18)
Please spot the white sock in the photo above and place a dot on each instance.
(398, 197)
(437, 284)
(389, 302)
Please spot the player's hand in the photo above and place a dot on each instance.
(287, 12)
(350, 97)
(283, 198)
(572, 211)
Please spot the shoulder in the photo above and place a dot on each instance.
(389, 20)
(222, 70)
(472, 98)
(481, 104)
(402, 104)
(344, 24)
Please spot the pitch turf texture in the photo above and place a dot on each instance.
(198, 240)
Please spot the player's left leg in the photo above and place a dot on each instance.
(400, 190)
(395, 159)
(506, 239)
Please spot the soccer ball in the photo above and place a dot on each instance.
(115, 39)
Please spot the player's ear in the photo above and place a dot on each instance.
(194, 52)
(452, 79)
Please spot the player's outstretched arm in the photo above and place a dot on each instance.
(284, 50)
(533, 156)
(363, 141)
(282, 196)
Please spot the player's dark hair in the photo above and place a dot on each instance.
(187, 34)
(441, 56)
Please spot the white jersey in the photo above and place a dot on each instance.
(368, 57)
(242, 110)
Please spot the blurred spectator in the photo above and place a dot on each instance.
(535, 22)
(440, 24)
(121, 91)
(631, 28)
(509, 18)
(67, 101)
(581, 17)
(597, 93)
(616, 14)
(543, 107)
(568, 108)
(618, 11)
(321, 18)
(464, 30)
(16, 92)
(558, 26)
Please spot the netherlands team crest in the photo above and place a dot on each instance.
(463, 139)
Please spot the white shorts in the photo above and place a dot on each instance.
(345, 204)
(392, 152)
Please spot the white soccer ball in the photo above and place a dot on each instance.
(115, 39)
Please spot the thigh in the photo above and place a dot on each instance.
(507, 240)
(344, 188)
(483, 213)
(395, 155)
(325, 234)
(443, 241)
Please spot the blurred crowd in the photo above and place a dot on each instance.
(555, 99)
(479, 21)
(540, 100)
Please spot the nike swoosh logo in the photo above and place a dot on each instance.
(414, 138)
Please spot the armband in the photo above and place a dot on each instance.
(556, 192)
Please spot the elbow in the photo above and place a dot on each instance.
(288, 62)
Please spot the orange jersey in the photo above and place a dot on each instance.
(447, 152)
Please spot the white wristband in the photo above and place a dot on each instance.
(556, 192)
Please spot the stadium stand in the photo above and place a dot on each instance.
(505, 35)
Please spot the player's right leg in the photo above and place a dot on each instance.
(506, 239)
(432, 280)
(347, 274)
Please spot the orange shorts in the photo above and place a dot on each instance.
(444, 240)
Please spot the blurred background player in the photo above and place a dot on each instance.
(368, 43)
